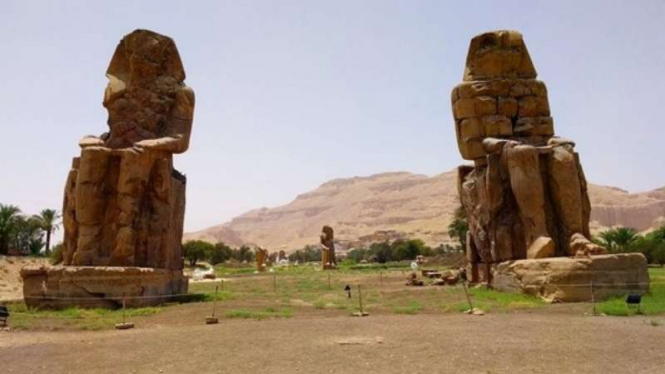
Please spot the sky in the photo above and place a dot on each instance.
(291, 94)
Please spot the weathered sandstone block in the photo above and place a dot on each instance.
(100, 287)
(564, 279)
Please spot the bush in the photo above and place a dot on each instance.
(310, 253)
(399, 250)
(56, 254)
(627, 240)
(220, 253)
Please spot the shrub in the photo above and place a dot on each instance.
(56, 254)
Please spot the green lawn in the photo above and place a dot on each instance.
(652, 303)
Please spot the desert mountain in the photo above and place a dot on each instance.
(401, 203)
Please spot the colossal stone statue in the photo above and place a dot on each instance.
(328, 258)
(526, 195)
(124, 202)
(261, 258)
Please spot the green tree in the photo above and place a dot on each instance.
(458, 228)
(652, 246)
(358, 254)
(49, 222)
(220, 253)
(407, 250)
(619, 239)
(196, 250)
(8, 216)
(381, 252)
(658, 254)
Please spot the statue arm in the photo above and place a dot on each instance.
(91, 141)
(182, 117)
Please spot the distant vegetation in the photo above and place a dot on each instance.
(22, 234)
(458, 228)
(398, 250)
(199, 250)
(626, 239)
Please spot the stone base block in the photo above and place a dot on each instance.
(100, 287)
(568, 279)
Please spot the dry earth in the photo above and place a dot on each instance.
(499, 343)
(417, 205)
(11, 286)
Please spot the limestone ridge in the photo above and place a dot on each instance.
(398, 205)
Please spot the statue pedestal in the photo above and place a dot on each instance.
(100, 287)
(569, 279)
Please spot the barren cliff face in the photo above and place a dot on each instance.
(417, 205)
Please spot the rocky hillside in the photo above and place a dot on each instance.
(415, 205)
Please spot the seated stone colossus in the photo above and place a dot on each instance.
(124, 201)
(526, 194)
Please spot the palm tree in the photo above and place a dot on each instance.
(618, 239)
(27, 235)
(48, 219)
(8, 215)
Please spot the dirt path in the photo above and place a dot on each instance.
(495, 343)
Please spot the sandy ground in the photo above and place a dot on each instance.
(11, 286)
(456, 343)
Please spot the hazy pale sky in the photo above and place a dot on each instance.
(291, 94)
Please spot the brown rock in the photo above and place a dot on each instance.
(541, 248)
(100, 287)
(471, 128)
(507, 106)
(493, 88)
(475, 107)
(564, 279)
(496, 126)
(498, 54)
(533, 106)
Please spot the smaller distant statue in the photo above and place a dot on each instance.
(328, 248)
(261, 258)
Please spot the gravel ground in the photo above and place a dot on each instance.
(455, 343)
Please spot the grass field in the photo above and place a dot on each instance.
(652, 303)
(305, 291)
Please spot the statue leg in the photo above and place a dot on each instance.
(473, 258)
(132, 182)
(568, 199)
(90, 202)
(527, 186)
(159, 246)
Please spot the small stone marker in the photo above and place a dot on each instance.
(211, 320)
(360, 312)
(124, 325)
